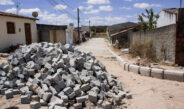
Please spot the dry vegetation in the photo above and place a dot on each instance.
(143, 50)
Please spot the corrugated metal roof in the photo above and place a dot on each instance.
(15, 15)
(51, 27)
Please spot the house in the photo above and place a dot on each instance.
(16, 29)
(52, 33)
(167, 17)
(120, 33)
(55, 33)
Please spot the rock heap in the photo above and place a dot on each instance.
(60, 77)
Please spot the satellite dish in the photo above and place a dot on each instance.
(35, 14)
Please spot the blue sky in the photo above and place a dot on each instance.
(99, 12)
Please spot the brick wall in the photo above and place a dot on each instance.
(163, 40)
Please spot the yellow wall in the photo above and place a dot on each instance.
(7, 40)
(60, 36)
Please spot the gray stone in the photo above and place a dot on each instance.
(116, 98)
(61, 83)
(47, 96)
(106, 105)
(78, 106)
(68, 90)
(59, 107)
(31, 72)
(45, 88)
(85, 87)
(24, 89)
(77, 89)
(128, 96)
(8, 94)
(87, 65)
(82, 99)
(63, 97)
(35, 105)
(35, 98)
(72, 95)
(16, 92)
(56, 101)
(25, 99)
(43, 103)
(56, 77)
(92, 96)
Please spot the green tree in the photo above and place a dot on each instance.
(148, 20)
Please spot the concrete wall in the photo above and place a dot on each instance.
(7, 40)
(58, 36)
(44, 36)
(166, 19)
(163, 40)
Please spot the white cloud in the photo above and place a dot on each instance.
(127, 8)
(105, 8)
(86, 8)
(146, 5)
(29, 11)
(45, 17)
(11, 10)
(98, 2)
(51, 18)
(6, 2)
(60, 7)
(93, 11)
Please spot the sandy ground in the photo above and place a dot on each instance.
(148, 93)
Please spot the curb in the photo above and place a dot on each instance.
(151, 72)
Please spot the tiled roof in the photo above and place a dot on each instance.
(15, 15)
(171, 10)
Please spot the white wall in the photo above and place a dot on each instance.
(166, 19)
(7, 40)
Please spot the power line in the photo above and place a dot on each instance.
(54, 3)
(67, 4)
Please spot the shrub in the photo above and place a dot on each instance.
(144, 50)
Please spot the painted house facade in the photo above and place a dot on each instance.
(16, 29)
(52, 33)
(167, 17)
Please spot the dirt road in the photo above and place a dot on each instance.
(148, 93)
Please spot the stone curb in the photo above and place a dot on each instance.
(151, 72)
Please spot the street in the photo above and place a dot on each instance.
(148, 93)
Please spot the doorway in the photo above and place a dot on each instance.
(28, 33)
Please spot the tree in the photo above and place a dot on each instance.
(148, 20)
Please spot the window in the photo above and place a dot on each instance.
(10, 28)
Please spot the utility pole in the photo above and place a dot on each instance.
(17, 6)
(180, 3)
(89, 29)
(78, 22)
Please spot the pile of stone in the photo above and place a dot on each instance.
(60, 77)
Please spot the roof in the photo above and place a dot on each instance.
(15, 15)
(118, 27)
(171, 10)
(51, 27)
(85, 28)
(123, 31)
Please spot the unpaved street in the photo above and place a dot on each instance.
(148, 93)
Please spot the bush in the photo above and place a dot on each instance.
(144, 50)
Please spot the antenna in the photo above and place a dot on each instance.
(17, 6)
